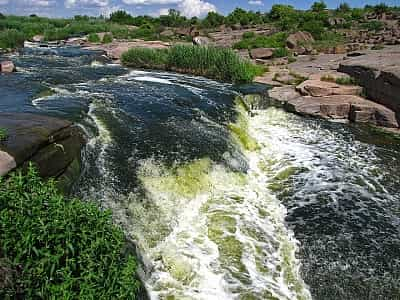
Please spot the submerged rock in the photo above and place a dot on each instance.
(52, 144)
(7, 66)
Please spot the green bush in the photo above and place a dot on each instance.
(277, 40)
(249, 35)
(11, 38)
(217, 63)
(54, 248)
(107, 38)
(94, 38)
(373, 25)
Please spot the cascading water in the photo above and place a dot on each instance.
(221, 204)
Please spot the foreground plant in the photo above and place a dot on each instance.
(54, 248)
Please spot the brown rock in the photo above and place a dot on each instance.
(262, 53)
(7, 66)
(300, 38)
(317, 88)
(38, 38)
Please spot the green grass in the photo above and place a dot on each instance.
(11, 39)
(339, 80)
(216, 63)
(3, 134)
(57, 248)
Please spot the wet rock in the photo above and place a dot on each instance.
(7, 66)
(38, 38)
(300, 38)
(317, 88)
(261, 53)
(52, 144)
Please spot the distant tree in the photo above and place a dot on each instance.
(81, 18)
(173, 19)
(280, 11)
(344, 8)
(213, 20)
(2, 16)
(121, 17)
(33, 16)
(381, 8)
(318, 6)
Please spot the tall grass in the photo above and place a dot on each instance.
(11, 38)
(216, 63)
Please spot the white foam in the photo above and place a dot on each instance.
(152, 79)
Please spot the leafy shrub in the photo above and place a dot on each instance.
(107, 38)
(216, 63)
(94, 38)
(249, 35)
(11, 38)
(59, 248)
(346, 81)
(277, 40)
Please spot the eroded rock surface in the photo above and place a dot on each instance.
(52, 144)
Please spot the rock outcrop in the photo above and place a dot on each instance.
(299, 39)
(379, 74)
(343, 107)
(7, 66)
(52, 144)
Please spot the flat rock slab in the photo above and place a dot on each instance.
(51, 143)
(317, 88)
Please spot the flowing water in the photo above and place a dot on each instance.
(223, 204)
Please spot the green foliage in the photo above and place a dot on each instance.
(3, 134)
(277, 40)
(318, 6)
(60, 248)
(346, 81)
(11, 38)
(344, 7)
(94, 38)
(121, 17)
(381, 8)
(373, 25)
(249, 35)
(107, 38)
(216, 63)
(173, 19)
(328, 40)
(213, 20)
(281, 52)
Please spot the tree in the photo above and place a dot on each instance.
(318, 6)
(381, 8)
(344, 8)
(280, 11)
(213, 19)
(121, 17)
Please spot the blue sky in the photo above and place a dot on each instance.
(61, 8)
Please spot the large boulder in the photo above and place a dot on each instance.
(261, 53)
(202, 41)
(7, 66)
(379, 73)
(300, 38)
(317, 88)
(52, 144)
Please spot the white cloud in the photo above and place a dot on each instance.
(42, 3)
(256, 2)
(151, 2)
(3, 2)
(72, 3)
(195, 8)
(163, 12)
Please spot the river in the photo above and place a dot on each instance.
(223, 204)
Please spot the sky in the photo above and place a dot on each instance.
(189, 8)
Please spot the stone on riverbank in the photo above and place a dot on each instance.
(54, 145)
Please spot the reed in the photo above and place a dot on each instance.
(216, 63)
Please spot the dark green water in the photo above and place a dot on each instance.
(311, 211)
